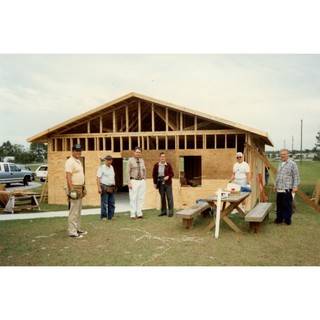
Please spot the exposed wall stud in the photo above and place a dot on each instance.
(152, 117)
(100, 123)
(121, 144)
(167, 120)
(139, 116)
(127, 118)
(114, 121)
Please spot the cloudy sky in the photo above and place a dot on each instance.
(268, 92)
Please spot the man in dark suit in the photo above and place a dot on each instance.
(162, 178)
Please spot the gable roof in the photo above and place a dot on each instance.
(44, 134)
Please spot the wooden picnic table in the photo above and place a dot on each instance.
(230, 203)
(21, 201)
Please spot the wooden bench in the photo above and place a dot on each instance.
(188, 213)
(257, 215)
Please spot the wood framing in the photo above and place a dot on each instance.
(127, 119)
(139, 116)
(196, 144)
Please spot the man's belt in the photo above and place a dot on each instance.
(77, 192)
(131, 178)
(108, 188)
(283, 190)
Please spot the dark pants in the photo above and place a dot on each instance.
(107, 205)
(284, 206)
(166, 195)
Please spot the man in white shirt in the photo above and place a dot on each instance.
(241, 173)
(137, 184)
(106, 188)
(76, 191)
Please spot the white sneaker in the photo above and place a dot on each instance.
(76, 236)
(82, 232)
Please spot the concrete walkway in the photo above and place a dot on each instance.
(20, 187)
(122, 205)
(51, 214)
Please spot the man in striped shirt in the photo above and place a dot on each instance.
(287, 182)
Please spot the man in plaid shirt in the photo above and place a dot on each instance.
(287, 182)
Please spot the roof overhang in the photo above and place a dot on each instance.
(43, 136)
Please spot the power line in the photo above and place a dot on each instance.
(301, 124)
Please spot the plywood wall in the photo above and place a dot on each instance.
(216, 172)
(216, 163)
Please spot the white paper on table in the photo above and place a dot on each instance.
(217, 228)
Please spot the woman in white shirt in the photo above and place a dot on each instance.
(241, 173)
(106, 188)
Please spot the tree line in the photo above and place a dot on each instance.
(315, 150)
(317, 147)
(35, 152)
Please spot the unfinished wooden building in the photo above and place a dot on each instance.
(200, 147)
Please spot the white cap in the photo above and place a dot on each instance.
(239, 154)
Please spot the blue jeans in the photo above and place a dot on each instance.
(107, 205)
(245, 189)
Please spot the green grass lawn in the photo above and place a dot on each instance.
(156, 241)
(310, 174)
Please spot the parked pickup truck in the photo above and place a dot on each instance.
(11, 173)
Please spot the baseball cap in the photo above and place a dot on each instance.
(77, 147)
(108, 157)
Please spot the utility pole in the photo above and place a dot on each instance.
(301, 141)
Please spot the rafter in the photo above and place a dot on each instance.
(163, 117)
(135, 123)
(199, 125)
(84, 121)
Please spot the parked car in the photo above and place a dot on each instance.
(24, 167)
(9, 159)
(42, 172)
(11, 173)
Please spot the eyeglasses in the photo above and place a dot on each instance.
(239, 157)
